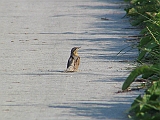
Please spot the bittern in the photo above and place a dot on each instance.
(73, 61)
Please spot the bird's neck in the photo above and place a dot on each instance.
(75, 56)
(74, 53)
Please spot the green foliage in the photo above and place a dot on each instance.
(150, 43)
(142, 10)
(147, 71)
(146, 14)
(147, 107)
(142, 70)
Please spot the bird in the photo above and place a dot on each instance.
(73, 61)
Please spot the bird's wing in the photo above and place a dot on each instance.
(70, 61)
(77, 62)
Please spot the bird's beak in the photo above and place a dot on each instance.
(78, 47)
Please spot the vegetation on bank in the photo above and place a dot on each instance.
(146, 15)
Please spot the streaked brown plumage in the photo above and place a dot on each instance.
(73, 61)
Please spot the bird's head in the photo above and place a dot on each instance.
(74, 51)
